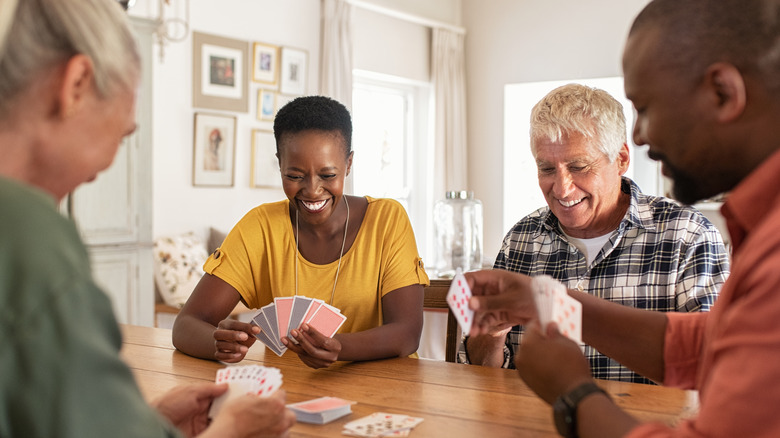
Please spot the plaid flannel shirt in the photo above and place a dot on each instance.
(663, 256)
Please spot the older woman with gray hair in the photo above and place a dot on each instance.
(69, 70)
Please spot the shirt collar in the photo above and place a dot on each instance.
(639, 213)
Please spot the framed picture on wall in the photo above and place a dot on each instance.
(294, 71)
(219, 73)
(265, 166)
(214, 150)
(266, 105)
(265, 64)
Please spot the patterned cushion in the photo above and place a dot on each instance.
(178, 266)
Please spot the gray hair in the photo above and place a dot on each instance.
(37, 34)
(575, 108)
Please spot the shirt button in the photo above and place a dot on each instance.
(217, 253)
(580, 288)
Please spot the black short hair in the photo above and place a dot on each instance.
(318, 113)
(698, 33)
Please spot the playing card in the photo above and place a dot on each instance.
(270, 314)
(327, 320)
(321, 410)
(246, 379)
(266, 334)
(553, 303)
(567, 313)
(265, 339)
(381, 424)
(283, 310)
(315, 304)
(300, 308)
(458, 299)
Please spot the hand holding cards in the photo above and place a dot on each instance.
(458, 299)
(553, 303)
(287, 313)
(246, 379)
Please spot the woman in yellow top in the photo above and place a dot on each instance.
(355, 253)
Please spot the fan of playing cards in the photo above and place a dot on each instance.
(288, 313)
(553, 303)
(246, 379)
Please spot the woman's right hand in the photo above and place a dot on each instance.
(232, 340)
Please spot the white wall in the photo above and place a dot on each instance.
(512, 41)
(177, 205)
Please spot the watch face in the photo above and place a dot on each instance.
(563, 414)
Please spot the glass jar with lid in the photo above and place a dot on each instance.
(457, 221)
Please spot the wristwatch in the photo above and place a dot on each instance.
(565, 408)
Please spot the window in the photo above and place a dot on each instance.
(391, 143)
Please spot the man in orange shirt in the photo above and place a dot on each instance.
(704, 77)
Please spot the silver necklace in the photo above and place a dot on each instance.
(341, 254)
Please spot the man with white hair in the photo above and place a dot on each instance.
(599, 233)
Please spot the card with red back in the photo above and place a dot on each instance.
(315, 304)
(458, 299)
(320, 404)
(327, 320)
(283, 310)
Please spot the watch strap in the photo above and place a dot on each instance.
(575, 396)
(565, 408)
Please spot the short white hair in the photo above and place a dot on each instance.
(575, 108)
(37, 34)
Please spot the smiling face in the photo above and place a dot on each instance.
(580, 184)
(314, 166)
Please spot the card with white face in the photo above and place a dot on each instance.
(458, 299)
(553, 303)
(245, 379)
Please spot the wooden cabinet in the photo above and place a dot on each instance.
(114, 212)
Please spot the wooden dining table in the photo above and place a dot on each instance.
(455, 400)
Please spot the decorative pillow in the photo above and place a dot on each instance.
(178, 266)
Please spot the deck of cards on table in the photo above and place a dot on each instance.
(458, 299)
(381, 424)
(246, 379)
(287, 313)
(553, 303)
(321, 410)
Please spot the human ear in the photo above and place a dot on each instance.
(728, 87)
(623, 159)
(349, 162)
(77, 83)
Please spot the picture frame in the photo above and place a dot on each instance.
(265, 64)
(219, 73)
(214, 150)
(266, 105)
(265, 165)
(294, 73)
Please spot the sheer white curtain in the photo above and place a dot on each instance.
(448, 73)
(336, 79)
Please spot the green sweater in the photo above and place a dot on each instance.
(60, 371)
